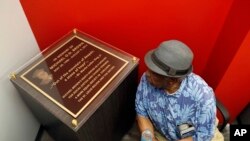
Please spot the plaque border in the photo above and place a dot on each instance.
(93, 97)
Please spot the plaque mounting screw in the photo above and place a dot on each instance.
(12, 75)
(74, 122)
(74, 31)
(134, 59)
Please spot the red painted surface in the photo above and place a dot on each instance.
(232, 34)
(134, 26)
(234, 88)
(231, 90)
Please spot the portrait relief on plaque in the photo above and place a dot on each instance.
(44, 77)
(74, 73)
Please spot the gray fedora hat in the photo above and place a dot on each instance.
(172, 58)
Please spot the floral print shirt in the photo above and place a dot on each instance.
(193, 103)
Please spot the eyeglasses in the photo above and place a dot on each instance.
(161, 77)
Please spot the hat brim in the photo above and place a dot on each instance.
(151, 65)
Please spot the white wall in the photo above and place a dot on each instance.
(17, 45)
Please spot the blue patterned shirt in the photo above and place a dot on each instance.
(193, 103)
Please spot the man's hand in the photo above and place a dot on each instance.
(145, 124)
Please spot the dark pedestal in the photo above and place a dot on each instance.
(107, 116)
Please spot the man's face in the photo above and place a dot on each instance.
(160, 81)
(155, 79)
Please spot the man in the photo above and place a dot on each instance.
(171, 101)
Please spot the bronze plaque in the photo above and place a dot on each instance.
(74, 73)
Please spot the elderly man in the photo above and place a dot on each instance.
(172, 102)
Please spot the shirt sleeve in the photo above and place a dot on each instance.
(206, 116)
(140, 94)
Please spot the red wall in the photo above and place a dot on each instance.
(222, 72)
(228, 42)
(134, 26)
(234, 88)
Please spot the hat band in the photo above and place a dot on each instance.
(166, 68)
